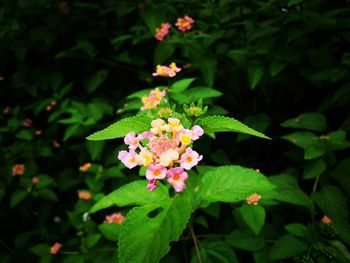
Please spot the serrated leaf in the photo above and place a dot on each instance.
(332, 202)
(288, 191)
(181, 85)
(134, 193)
(233, 184)
(313, 121)
(225, 124)
(110, 231)
(145, 239)
(253, 216)
(287, 246)
(119, 129)
(215, 251)
(245, 240)
(195, 94)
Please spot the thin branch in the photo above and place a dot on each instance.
(195, 241)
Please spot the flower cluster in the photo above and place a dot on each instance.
(165, 151)
(153, 99)
(162, 31)
(115, 218)
(326, 220)
(184, 24)
(166, 71)
(18, 169)
(55, 248)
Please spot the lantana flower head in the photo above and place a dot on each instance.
(165, 151)
(162, 31)
(18, 169)
(115, 218)
(253, 199)
(153, 99)
(55, 248)
(326, 220)
(184, 24)
(166, 71)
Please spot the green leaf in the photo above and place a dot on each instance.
(343, 229)
(276, 67)
(332, 202)
(96, 80)
(145, 236)
(195, 94)
(110, 231)
(134, 193)
(181, 85)
(119, 129)
(225, 124)
(342, 250)
(298, 230)
(47, 194)
(314, 169)
(340, 174)
(95, 149)
(215, 251)
(253, 216)
(245, 240)
(255, 73)
(289, 192)
(233, 184)
(17, 197)
(24, 135)
(313, 121)
(287, 246)
(92, 239)
(139, 94)
(312, 144)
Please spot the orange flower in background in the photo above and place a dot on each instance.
(116, 218)
(55, 248)
(326, 220)
(38, 132)
(85, 167)
(18, 169)
(35, 180)
(162, 31)
(7, 110)
(85, 195)
(253, 199)
(184, 24)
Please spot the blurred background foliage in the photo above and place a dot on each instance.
(67, 66)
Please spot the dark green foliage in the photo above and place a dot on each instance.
(71, 68)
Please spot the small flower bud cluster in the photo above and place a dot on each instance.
(162, 31)
(166, 71)
(153, 99)
(115, 218)
(253, 199)
(165, 151)
(194, 111)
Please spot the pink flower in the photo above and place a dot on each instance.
(145, 135)
(184, 24)
(27, 123)
(129, 159)
(18, 169)
(35, 180)
(326, 220)
(197, 132)
(155, 172)
(166, 71)
(253, 199)
(162, 31)
(55, 248)
(189, 159)
(152, 185)
(177, 178)
(131, 140)
(116, 218)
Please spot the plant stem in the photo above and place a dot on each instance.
(195, 241)
(314, 188)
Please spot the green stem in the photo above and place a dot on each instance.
(314, 188)
(195, 241)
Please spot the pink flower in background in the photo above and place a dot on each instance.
(156, 172)
(184, 24)
(115, 218)
(326, 220)
(85, 195)
(166, 71)
(253, 199)
(177, 178)
(162, 31)
(27, 123)
(35, 180)
(153, 99)
(164, 150)
(190, 158)
(85, 167)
